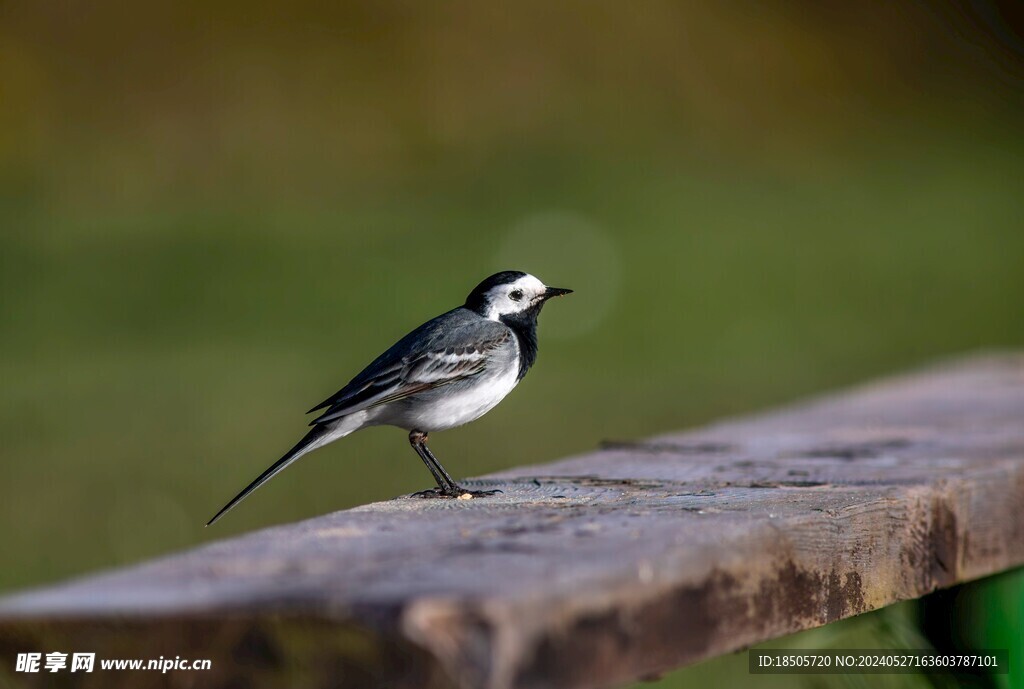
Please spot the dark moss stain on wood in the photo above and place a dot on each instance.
(852, 451)
(943, 545)
(635, 640)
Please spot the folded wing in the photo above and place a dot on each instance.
(437, 362)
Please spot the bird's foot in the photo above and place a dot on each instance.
(455, 492)
(430, 493)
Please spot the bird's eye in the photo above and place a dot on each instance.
(515, 295)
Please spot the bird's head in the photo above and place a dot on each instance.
(511, 295)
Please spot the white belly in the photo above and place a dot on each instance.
(455, 406)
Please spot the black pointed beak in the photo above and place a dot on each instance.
(556, 292)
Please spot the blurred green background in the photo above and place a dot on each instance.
(213, 215)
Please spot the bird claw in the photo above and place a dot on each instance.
(430, 493)
(459, 493)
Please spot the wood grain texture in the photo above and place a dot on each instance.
(595, 570)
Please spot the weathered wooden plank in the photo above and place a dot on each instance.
(598, 569)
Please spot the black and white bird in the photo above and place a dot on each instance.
(449, 371)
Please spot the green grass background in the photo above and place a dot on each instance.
(210, 223)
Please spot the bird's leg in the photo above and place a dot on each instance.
(445, 484)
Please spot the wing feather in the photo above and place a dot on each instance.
(414, 373)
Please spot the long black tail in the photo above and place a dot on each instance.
(301, 448)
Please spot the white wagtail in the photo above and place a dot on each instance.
(449, 371)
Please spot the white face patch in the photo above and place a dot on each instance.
(502, 300)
